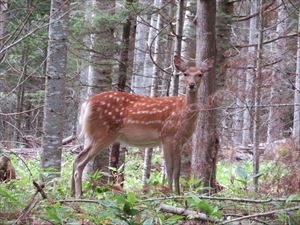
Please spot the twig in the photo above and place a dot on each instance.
(69, 139)
(185, 212)
(34, 201)
(17, 113)
(224, 199)
(80, 200)
(261, 214)
(39, 189)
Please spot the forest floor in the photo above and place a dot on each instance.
(26, 200)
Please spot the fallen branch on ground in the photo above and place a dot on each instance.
(185, 212)
(254, 201)
(261, 214)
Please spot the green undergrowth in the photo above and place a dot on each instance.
(20, 202)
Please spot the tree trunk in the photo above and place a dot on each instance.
(178, 43)
(147, 165)
(159, 49)
(275, 124)
(100, 69)
(168, 56)
(55, 87)
(223, 32)
(238, 85)
(148, 64)
(22, 81)
(189, 34)
(246, 134)
(20, 95)
(3, 9)
(158, 59)
(205, 141)
(124, 69)
(258, 86)
(142, 31)
(188, 53)
(296, 124)
(124, 52)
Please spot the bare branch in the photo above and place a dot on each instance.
(261, 214)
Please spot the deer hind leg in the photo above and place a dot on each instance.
(168, 155)
(89, 152)
(80, 162)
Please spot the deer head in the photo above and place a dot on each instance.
(193, 75)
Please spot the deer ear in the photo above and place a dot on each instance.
(207, 64)
(179, 63)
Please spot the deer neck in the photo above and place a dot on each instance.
(191, 98)
(188, 118)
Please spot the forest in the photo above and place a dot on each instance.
(141, 112)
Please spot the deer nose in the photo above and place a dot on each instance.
(192, 86)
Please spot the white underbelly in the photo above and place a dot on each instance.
(139, 137)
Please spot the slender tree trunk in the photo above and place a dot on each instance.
(124, 67)
(142, 32)
(223, 32)
(147, 165)
(178, 43)
(22, 81)
(275, 124)
(205, 141)
(20, 94)
(189, 34)
(124, 52)
(158, 54)
(132, 46)
(158, 59)
(238, 84)
(3, 9)
(100, 69)
(148, 64)
(246, 134)
(258, 84)
(55, 87)
(188, 53)
(168, 57)
(296, 122)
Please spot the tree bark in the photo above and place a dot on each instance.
(205, 140)
(100, 69)
(148, 64)
(142, 32)
(124, 52)
(258, 86)
(189, 34)
(246, 134)
(178, 43)
(147, 165)
(124, 68)
(275, 124)
(296, 121)
(168, 56)
(55, 87)
(3, 9)
(158, 53)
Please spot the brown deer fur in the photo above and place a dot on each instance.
(140, 121)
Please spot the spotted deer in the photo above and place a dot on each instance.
(141, 121)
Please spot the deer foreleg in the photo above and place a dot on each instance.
(176, 169)
(168, 155)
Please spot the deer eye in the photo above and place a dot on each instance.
(185, 74)
(200, 75)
